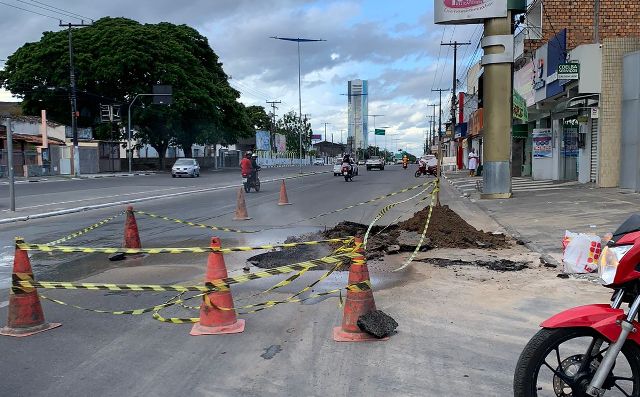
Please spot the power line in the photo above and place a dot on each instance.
(64, 13)
(433, 82)
(79, 16)
(31, 11)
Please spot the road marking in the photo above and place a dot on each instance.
(4, 304)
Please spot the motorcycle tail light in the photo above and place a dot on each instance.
(609, 260)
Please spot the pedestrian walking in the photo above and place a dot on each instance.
(473, 162)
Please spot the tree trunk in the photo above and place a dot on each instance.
(187, 151)
(162, 151)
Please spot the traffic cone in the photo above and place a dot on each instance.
(357, 302)
(131, 235)
(241, 208)
(25, 312)
(284, 200)
(213, 320)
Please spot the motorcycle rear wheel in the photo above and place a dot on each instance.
(247, 187)
(418, 173)
(561, 371)
(257, 185)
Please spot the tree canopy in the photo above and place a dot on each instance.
(291, 127)
(117, 58)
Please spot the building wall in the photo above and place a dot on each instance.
(613, 50)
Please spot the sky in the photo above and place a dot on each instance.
(393, 44)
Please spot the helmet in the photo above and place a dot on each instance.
(248, 153)
(254, 155)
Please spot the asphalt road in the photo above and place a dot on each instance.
(460, 331)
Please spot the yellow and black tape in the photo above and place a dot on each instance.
(177, 250)
(434, 193)
(85, 230)
(358, 287)
(367, 201)
(193, 224)
(215, 285)
(387, 208)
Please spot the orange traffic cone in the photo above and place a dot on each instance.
(25, 312)
(213, 320)
(284, 200)
(131, 235)
(241, 208)
(357, 303)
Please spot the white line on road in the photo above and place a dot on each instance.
(4, 304)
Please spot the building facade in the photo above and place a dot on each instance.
(358, 114)
(574, 123)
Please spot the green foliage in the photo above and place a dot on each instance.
(259, 118)
(117, 58)
(291, 126)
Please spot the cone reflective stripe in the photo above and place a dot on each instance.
(357, 303)
(241, 208)
(25, 311)
(284, 200)
(131, 235)
(214, 321)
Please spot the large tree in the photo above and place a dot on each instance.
(292, 127)
(117, 58)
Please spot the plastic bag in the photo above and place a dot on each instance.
(581, 253)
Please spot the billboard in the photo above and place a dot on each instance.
(281, 143)
(262, 140)
(542, 143)
(468, 11)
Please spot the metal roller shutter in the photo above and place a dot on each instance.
(594, 150)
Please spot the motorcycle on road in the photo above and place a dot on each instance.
(347, 172)
(430, 170)
(591, 350)
(250, 181)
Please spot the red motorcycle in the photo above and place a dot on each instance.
(594, 349)
(347, 172)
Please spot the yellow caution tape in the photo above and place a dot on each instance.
(387, 208)
(424, 231)
(358, 287)
(85, 230)
(215, 285)
(177, 250)
(193, 224)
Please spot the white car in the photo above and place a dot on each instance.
(318, 162)
(185, 167)
(337, 168)
(375, 162)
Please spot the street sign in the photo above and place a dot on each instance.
(316, 137)
(379, 131)
(569, 71)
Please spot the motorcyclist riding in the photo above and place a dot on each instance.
(245, 165)
(254, 165)
(346, 161)
(422, 164)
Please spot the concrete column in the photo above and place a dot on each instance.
(497, 63)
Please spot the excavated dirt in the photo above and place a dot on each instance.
(448, 230)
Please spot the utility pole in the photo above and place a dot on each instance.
(434, 120)
(455, 46)
(12, 192)
(74, 108)
(325, 130)
(273, 120)
(439, 139)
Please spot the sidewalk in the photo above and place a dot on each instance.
(540, 211)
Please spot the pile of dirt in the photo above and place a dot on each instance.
(448, 230)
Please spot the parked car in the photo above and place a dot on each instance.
(318, 162)
(337, 168)
(375, 162)
(186, 167)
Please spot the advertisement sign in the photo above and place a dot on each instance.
(523, 83)
(595, 113)
(468, 11)
(520, 108)
(262, 140)
(570, 138)
(281, 143)
(569, 71)
(316, 137)
(542, 143)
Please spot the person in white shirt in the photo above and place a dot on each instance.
(473, 162)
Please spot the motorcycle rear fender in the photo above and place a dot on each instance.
(601, 318)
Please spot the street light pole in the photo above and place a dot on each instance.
(375, 138)
(298, 41)
(129, 150)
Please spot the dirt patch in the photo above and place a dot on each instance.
(500, 265)
(448, 230)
